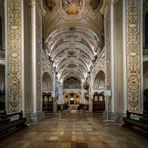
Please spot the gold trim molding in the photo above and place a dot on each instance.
(133, 50)
(14, 54)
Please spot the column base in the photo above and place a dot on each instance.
(113, 117)
(35, 117)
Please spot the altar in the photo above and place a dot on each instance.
(73, 108)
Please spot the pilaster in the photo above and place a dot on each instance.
(108, 67)
(61, 97)
(54, 93)
(117, 57)
(133, 50)
(14, 55)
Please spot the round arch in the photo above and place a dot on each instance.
(46, 82)
(99, 82)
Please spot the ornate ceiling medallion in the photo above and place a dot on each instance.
(72, 7)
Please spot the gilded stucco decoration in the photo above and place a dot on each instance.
(72, 7)
(133, 55)
(14, 55)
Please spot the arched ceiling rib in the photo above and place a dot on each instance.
(75, 73)
(68, 46)
(68, 64)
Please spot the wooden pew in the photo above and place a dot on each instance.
(141, 122)
(9, 124)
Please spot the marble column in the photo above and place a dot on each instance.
(53, 94)
(82, 95)
(40, 12)
(117, 56)
(14, 55)
(61, 97)
(34, 55)
(107, 30)
(33, 47)
(133, 51)
(90, 92)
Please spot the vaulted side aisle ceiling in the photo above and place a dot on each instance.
(74, 36)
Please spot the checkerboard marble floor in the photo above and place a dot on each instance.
(74, 131)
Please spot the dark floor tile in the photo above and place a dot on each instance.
(79, 145)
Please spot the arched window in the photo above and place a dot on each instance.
(146, 30)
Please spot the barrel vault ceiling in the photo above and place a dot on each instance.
(73, 36)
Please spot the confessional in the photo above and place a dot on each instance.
(98, 102)
(47, 103)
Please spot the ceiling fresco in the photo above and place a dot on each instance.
(72, 7)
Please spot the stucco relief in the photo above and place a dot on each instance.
(14, 55)
(105, 8)
(72, 7)
(59, 18)
(40, 7)
(133, 55)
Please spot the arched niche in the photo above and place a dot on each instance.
(46, 82)
(99, 83)
(47, 99)
(72, 83)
